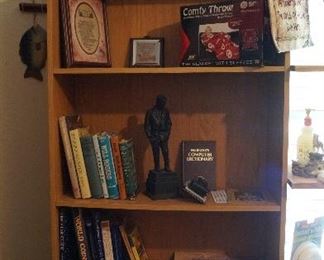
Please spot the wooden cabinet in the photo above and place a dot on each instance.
(243, 108)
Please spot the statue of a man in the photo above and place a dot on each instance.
(157, 127)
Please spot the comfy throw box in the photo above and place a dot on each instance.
(223, 33)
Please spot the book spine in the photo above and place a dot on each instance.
(129, 169)
(90, 235)
(116, 241)
(79, 163)
(91, 166)
(100, 166)
(109, 167)
(118, 166)
(68, 247)
(127, 244)
(96, 218)
(69, 157)
(83, 247)
(106, 239)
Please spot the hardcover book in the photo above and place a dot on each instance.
(66, 124)
(129, 169)
(118, 166)
(199, 159)
(136, 241)
(106, 239)
(100, 166)
(80, 232)
(90, 160)
(108, 164)
(75, 135)
(68, 244)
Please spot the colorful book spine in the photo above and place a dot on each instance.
(75, 135)
(129, 168)
(106, 239)
(119, 167)
(109, 167)
(90, 161)
(100, 166)
(80, 231)
(68, 246)
(69, 157)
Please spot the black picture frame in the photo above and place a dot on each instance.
(146, 52)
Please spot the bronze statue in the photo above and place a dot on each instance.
(157, 127)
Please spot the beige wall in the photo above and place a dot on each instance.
(24, 199)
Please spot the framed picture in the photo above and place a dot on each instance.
(146, 52)
(84, 33)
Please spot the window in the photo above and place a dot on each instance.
(306, 91)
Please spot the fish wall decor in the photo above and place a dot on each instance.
(33, 50)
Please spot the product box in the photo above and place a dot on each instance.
(223, 33)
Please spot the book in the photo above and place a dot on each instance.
(128, 161)
(90, 234)
(199, 159)
(96, 219)
(106, 239)
(109, 166)
(118, 166)
(68, 244)
(90, 161)
(129, 248)
(100, 166)
(136, 241)
(80, 232)
(75, 135)
(66, 124)
(116, 240)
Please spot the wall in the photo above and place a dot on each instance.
(24, 188)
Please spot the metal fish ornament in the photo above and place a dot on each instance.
(33, 50)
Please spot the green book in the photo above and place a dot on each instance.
(90, 161)
(127, 155)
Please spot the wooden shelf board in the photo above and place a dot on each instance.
(297, 182)
(143, 202)
(168, 70)
(307, 68)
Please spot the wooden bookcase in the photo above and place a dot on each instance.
(243, 108)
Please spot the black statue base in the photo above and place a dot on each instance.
(162, 185)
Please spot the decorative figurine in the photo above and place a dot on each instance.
(161, 183)
(157, 128)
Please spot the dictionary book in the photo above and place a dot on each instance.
(199, 159)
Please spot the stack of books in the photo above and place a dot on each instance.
(100, 165)
(88, 234)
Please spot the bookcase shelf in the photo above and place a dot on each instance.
(168, 70)
(142, 202)
(297, 182)
(243, 109)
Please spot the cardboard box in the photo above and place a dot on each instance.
(223, 33)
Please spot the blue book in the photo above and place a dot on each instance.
(107, 158)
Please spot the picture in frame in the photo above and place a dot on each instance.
(147, 52)
(84, 33)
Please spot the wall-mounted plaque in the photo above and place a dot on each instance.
(84, 33)
(146, 52)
